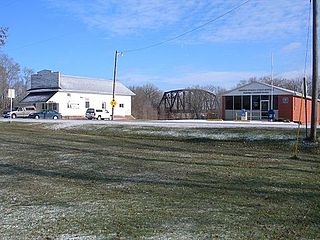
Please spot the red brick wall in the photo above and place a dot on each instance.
(285, 107)
(291, 110)
(299, 110)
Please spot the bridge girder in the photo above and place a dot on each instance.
(187, 104)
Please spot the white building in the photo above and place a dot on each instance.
(71, 96)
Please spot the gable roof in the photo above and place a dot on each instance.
(257, 88)
(89, 85)
(46, 80)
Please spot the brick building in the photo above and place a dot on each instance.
(258, 98)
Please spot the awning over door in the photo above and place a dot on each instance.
(36, 97)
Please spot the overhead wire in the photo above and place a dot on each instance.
(43, 41)
(144, 11)
(9, 3)
(187, 32)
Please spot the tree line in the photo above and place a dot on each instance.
(294, 84)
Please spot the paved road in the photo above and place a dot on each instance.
(163, 123)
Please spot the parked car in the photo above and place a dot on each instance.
(46, 114)
(6, 113)
(19, 112)
(99, 114)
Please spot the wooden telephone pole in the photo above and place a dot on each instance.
(113, 101)
(314, 123)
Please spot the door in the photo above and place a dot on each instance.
(264, 108)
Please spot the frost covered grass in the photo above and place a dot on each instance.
(75, 181)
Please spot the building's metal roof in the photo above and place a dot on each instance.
(260, 86)
(90, 85)
(37, 97)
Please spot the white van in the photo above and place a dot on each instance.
(99, 114)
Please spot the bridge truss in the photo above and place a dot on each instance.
(188, 104)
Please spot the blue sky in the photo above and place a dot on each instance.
(79, 37)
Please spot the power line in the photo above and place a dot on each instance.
(187, 32)
(307, 40)
(42, 41)
(10, 3)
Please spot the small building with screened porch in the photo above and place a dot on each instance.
(256, 99)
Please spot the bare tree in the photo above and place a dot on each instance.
(3, 35)
(146, 101)
(11, 76)
(294, 84)
(200, 97)
(218, 91)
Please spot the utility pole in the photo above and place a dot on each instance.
(113, 102)
(305, 104)
(271, 107)
(313, 131)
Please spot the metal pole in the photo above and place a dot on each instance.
(114, 81)
(305, 104)
(10, 115)
(313, 131)
(271, 81)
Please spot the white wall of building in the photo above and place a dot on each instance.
(74, 104)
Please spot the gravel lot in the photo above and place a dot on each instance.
(166, 123)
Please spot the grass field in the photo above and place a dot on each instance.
(122, 182)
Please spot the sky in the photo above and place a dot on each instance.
(80, 37)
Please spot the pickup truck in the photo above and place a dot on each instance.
(20, 112)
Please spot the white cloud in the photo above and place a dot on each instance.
(263, 19)
(291, 47)
(185, 79)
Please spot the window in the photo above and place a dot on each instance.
(55, 106)
(275, 102)
(121, 105)
(103, 105)
(255, 102)
(265, 97)
(246, 102)
(90, 110)
(87, 103)
(237, 102)
(229, 102)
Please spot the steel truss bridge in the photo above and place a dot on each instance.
(188, 104)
